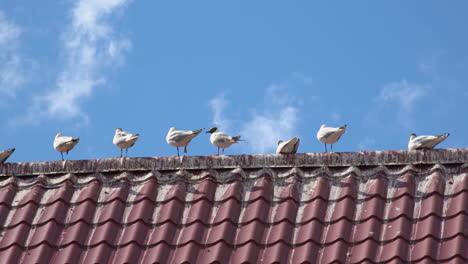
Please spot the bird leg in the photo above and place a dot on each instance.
(331, 146)
(178, 151)
(218, 151)
(126, 152)
(120, 152)
(325, 147)
(185, 149)
(61, 153)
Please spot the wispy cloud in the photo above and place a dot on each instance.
(367, 143)
(276, 117)
(264, 130)
(277, 120)
(90, 46)
(11, 63)
(403, 93)
(218, 106)
(399, 99)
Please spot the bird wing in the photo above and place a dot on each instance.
(296, 146)
(5, 154)
(328, 132)
(428, 141)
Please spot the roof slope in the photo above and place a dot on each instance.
(362, 207)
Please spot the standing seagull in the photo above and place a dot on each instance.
(330, 135)
(124, 140)
(288, 147)
(221, 139)
(64, 144)
(5, 154)
(179, 138)
(425, 142)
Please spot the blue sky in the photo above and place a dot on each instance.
(266, 70)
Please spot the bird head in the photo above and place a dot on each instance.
(59, 134)
(212, 130)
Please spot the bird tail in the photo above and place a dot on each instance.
(77, 139)
(237, 138)
(343, 127)
(11, 150)
(196, 132)
(445, 135)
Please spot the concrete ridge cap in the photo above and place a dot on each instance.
(167, 163)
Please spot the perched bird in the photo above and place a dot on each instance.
(5, 154)
(425, 142)
(330, 135)
(124, 140)
(221, 139)
(64, 144)
(288, 147)
(179, 138)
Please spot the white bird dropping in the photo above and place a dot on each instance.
(288, 147)
(221, 139)
(64, 144)
(425, 142)
(124, 140)
(330, 135)
(179, 138)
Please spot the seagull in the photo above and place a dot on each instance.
(288, 147)
(64, 144)
(179, 138)
(5, 154)
(221, 139)
(330, 135)
(124, 140)
(425, 142)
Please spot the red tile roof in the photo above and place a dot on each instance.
(362, 207)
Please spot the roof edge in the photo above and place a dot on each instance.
(362, 158)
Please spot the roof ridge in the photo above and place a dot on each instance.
(362, 158)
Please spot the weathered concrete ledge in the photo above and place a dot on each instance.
(363, 158)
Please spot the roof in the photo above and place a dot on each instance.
(360, 207)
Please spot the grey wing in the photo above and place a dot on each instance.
(224, 138)
(296, 146)
(124, 134)
(423, 141)
(328, 134)
(178, 136)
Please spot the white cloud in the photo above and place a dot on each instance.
(397, 100)
(11, 63)
(403, 93)
(367, 144)
(8, 30)
(276, 119)
(218, 106)
(89, 46)
(264, 130)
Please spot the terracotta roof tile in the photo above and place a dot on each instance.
(363, 207)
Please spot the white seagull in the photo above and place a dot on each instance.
(221, 139)
(425, 142)
(330, 135)
(288, 147)
(124, 140)
(5, 154)
(179, 138)
(64, 144)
